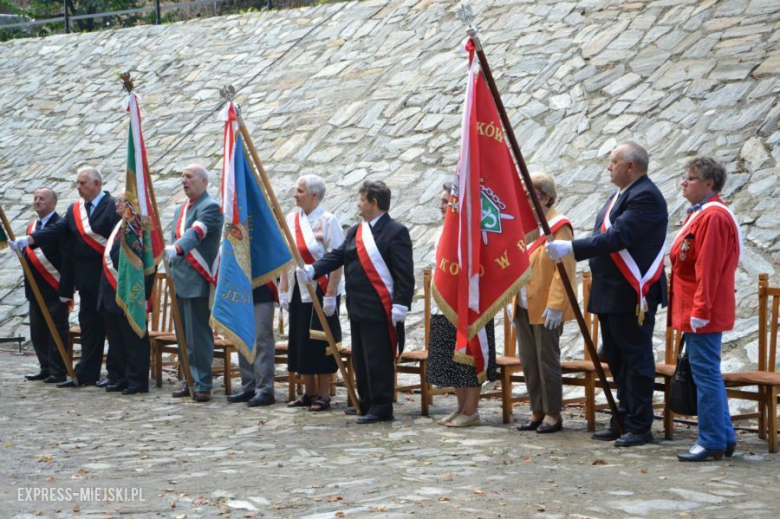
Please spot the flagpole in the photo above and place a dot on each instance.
(181, 341)
(298, 259)
(41, 303)
(510, 135)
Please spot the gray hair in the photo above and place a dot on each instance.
(545, 183)
(447, 186)
(708, 169)
(53, 192)
(633, 152)
(315, 185)
(92, 173)
(199, 170)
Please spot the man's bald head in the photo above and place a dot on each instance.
(194, 180)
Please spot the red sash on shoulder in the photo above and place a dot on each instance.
(555, 224)
(93, 239)
(308, 246)
(630, 270)
(41, 263)
(194, 257)
(378, 274)
(109, 269)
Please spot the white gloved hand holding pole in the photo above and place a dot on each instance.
(399, 314)
(559, 249)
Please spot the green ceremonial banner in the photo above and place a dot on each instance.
(3, 238)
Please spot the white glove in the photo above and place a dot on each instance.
(399, 314)
(304, 274)
(559, 249)
(552, 319)
(329, 305)
(19, 244)
(65, 300)
(697, 323)
(284, 303)
(171, 251)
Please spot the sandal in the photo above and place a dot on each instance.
(322, 403)
(303, 401)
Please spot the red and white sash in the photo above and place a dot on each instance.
(109, 268)
(194, 257)
(378, 274)
(555, 224)
(311, 250)
(712, 206)
(41, 263)
(630, 270)
(81, 217)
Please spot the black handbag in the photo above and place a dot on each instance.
(682, 397)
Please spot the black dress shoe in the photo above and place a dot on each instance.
(51, 379)
(105, 383)
(605, 435)
(730, 448)
(116, 388)
(68, 383)
(530, 425)
(701, 454)
(181, 393)
(135, 390)
(242, 396)
(631, 439)
(350, 411)
(41, 375)
(547, 428)
(261, 400)
(372, 418)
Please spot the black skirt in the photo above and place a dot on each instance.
(305, 355)
(443, 371)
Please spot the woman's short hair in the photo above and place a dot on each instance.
(708, 169)
(545, 183)
(314, 184)
(376, 190)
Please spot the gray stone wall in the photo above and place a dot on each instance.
(374, 90)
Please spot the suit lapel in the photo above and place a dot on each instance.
(98, 211)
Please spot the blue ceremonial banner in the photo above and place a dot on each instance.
(253, 253)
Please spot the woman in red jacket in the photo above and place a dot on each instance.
(704, 258)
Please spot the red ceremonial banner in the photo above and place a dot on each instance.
(481, 260)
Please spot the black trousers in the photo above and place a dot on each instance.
(372, 357)
(629, 351)
(93, 338)
(45, 348)
(129, 353)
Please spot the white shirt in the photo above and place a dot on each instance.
(327, 231)
(373, 222)
(46, 219)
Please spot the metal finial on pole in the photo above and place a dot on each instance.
(466, 15)
(127, 82)
(228, 93)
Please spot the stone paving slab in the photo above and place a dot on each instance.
(190, 460)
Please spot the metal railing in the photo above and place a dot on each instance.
(67, 19)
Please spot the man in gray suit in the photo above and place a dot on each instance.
(196, 233)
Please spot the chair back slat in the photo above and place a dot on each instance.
(773, 333)
(763, 281)
(161, 320)
(510, 335)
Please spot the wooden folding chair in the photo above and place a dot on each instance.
(415, 362)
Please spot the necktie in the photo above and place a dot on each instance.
(38, 225)
(89, 208)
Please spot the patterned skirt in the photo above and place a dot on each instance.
(443, 371)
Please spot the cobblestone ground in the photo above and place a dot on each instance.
(174, 458)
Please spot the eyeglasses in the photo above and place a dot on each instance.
(686, 178)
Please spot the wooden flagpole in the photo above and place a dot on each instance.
(41, 303)
(265, 182)
(181, 342)
(465, 14)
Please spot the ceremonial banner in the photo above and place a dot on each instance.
(141, 241)
(253, 250)
(3, 239)
(481, 260)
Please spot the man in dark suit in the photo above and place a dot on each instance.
(46, 267)
(86, 225)
(379, 274)
(129, 352)
(626, 253)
